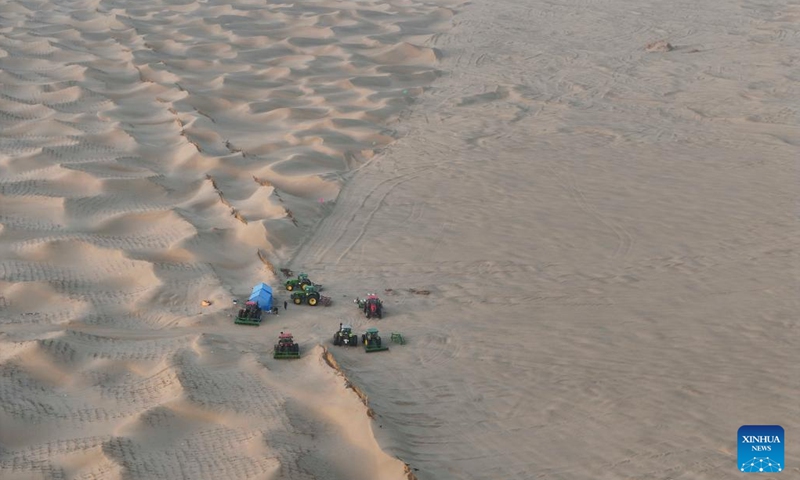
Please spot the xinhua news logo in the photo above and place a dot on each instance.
(761, 449)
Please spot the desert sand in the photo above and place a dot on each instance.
(588, 238)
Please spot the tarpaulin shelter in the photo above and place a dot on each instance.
(262, 295)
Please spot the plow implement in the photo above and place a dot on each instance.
(247, 321)
(284, 355)
(375, 348)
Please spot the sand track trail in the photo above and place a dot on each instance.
(604, 236)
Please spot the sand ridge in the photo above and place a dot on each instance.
(156, 154)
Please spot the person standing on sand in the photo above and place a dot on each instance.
(285, 304)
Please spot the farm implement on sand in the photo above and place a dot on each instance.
(259, 303)
(372, 306)
(345, 336)
(310, 296)
(286, 348)
(300, 282)
(372, 341)
(249, 315)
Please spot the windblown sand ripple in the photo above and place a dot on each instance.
(149, 153)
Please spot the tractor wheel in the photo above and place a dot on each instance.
(289, 287)
(380, 314)
(378, 341)
(312, 301)
(297, 300)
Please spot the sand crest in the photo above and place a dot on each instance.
(155, 159)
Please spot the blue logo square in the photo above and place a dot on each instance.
(761, 449)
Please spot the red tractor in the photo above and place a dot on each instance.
(371, 306)
(286, 348)
(249, 315)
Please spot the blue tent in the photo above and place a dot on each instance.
(262, 295)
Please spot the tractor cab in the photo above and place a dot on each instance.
(251, 308)
(286, 348)
(371, 332)
(372, 341)
(373, 307)
(249, 315)
(345, 336)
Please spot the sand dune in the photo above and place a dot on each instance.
(587, 237)
(149, 154)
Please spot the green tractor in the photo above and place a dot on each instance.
(286, 348)
(310, 295)
(345, 336)
(298, 283)
(372, 341)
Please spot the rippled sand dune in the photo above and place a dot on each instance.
(150, 154)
